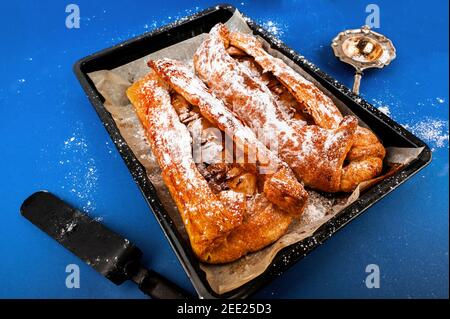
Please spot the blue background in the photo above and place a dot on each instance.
(52, 139)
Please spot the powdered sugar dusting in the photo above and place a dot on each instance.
(321, 107)
(440, 100)
(253, 103)
(385, 109)
(275, 28)
(82, 178)
(202, 213)
(433, 131)
(195, 91)
(317, 207)
(227, 78)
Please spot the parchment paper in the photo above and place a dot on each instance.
(112, 84)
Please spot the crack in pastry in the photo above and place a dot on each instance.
(365, 158)
(316, 155)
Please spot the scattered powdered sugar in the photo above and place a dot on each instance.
(151, 26)
(230, 196)
(433, 131)
(390, 103)
(440, 100)
(313, 213)
(82, 176)
(190, 86)
(317, 207)
(165, 23)
(275, 28)
(435, 102)
(110, 148)
(69, 227)
(385, 109)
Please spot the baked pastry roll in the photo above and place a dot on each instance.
(280, 185)
(206, 218)
(365, 158)
(228, 208)
(318, 154)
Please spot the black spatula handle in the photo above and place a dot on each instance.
(158, 287)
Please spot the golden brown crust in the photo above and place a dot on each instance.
(263, 224)
(258, 218)
(231, 209)
(366, 147)
(319, 157)
(207, 220)
(316, 155)
(360, 170)
(310, 99)
(365, 157)
(290, 195)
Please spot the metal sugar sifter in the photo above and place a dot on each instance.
(363, 49)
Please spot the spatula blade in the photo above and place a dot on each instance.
(101, 248)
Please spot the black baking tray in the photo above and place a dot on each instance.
(390, 132)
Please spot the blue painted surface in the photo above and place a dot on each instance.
(52, 139)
